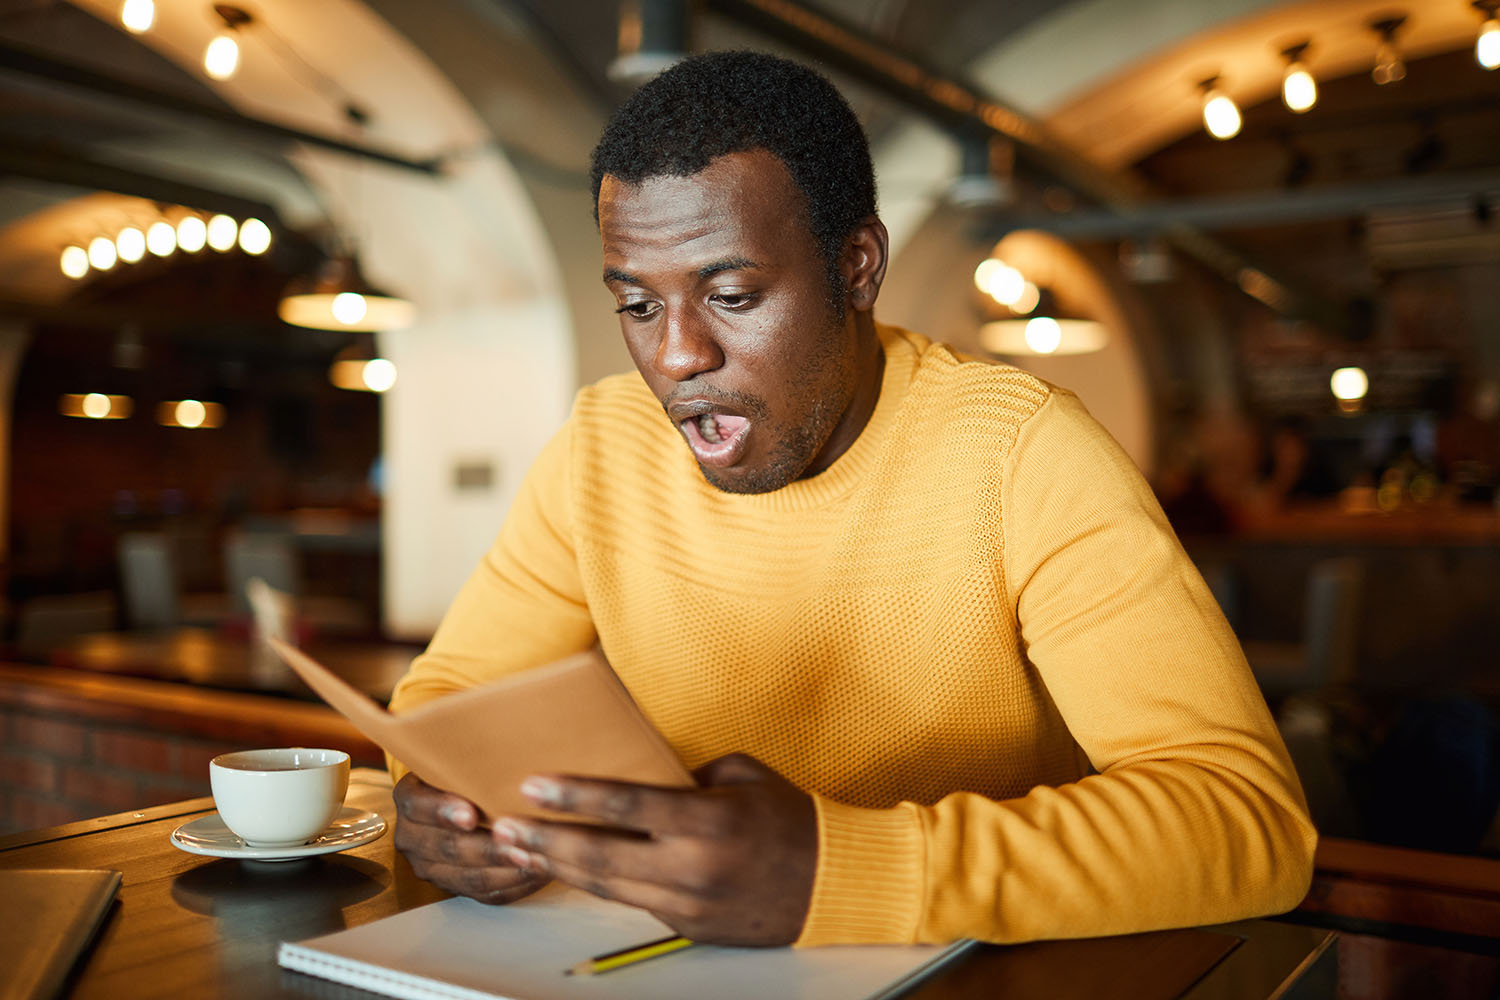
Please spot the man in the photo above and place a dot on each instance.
(942, 666)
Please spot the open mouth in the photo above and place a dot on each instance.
(717, 439)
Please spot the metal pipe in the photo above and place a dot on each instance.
(1273, 208)
(57, 164)
(30, 62)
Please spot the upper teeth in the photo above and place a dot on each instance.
(708, 427)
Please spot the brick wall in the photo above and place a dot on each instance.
(75, 746)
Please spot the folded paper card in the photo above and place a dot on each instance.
(570, 717)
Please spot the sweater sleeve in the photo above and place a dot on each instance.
(1195, 815)
(523, 605)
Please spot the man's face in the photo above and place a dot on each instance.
(724, 302)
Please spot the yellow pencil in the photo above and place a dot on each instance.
(629, 956)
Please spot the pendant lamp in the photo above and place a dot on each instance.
(339, 298)
(1047, 331)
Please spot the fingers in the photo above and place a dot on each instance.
(733, 769)
(592, 853)
(422, 803)
(647, 808)
(471, 848)
(667, 904)
(487, 885)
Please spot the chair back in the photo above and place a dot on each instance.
(148, 579)
(1331, 635)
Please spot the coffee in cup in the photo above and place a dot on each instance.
(279, 798)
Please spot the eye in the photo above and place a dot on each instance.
(641, 310)
(734, 301)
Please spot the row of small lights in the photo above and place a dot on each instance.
(374, 375)
(192, 414)
(162, 239)
(1299, 89)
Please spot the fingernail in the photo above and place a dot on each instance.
(456, 814)
(516, 856)
(507, 832)
(542, 790)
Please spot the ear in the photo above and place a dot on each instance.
(863, 262)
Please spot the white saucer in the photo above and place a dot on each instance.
(209, 836)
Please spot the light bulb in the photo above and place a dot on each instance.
(1221, 116)
(378, 374)
(985, 272)
(1299, 91)
(191, 233)
(1349, 384)
(1005, 284)
(1028, 299)
(348, 307)
(138, 15)
(190, 413)
(74, 262)
(102, 253)
(222, 57)
(161, 239)
(223, 231)
(255, 237)
(130, 244)
(1043, 334)
(1388, 65)
(95, 405)
(1487, 49)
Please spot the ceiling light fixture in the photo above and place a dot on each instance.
(223, 232)
(1349, 387)
(255, 237)
(1299, 91)
(1050, 332)
(339, 298)
(74, 262)
(102, 255)
(130, 244)
(192, 234)
(95, 405)
(1000, 281)
(192, 414)
(1221, 116)
(161, 239)
(138, 15)
(360, 368)
(986, 172)
(653, 36)
(1487, 48)
(1389, 66)
(221, 60)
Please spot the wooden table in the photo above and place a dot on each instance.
(201, 928)
(207, 658)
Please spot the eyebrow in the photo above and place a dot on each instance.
(728, 264)
(706, 271)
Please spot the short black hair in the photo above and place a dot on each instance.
(734, 102)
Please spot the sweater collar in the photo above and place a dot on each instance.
(853, 465)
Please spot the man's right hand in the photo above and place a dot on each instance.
(440, 835)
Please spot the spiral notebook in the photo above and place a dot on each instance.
(459, 949)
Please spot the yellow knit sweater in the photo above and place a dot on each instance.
(974, 639)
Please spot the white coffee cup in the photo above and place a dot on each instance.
(279, 798)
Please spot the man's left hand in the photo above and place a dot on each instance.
(729, 862)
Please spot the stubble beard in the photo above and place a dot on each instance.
(797, 446)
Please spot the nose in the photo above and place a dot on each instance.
(687, 348)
